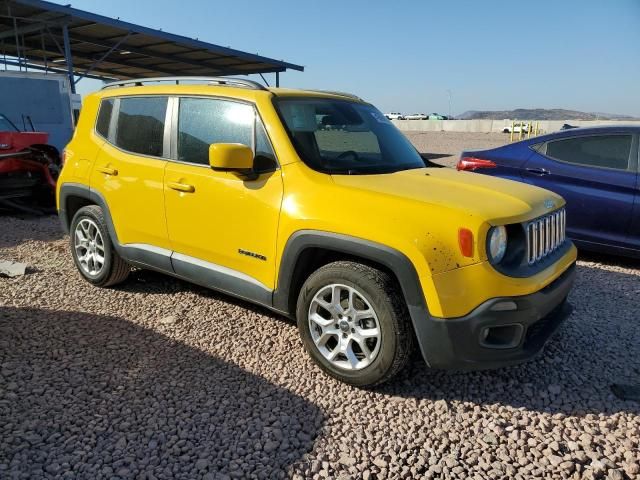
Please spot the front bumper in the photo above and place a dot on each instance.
(501, 331)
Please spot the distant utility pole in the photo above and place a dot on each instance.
(449, 92)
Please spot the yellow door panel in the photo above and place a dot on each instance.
(224, 219)
(132, 187)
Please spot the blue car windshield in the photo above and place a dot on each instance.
(344, 137)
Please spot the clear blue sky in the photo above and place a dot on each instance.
(404, 55)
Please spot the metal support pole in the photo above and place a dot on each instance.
(277, 79)
(264, 79)
(67, 58)
(44, 52)
(103, 57)
(15, 31)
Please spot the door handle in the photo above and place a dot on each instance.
(181, 187)
(538, 171)
(108, 171)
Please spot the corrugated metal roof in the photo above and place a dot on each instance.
(112, 48)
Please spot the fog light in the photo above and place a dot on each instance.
(502, 336)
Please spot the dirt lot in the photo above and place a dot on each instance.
(445, 147)
(161, 379)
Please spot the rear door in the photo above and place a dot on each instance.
(129, 170)
(596, 174)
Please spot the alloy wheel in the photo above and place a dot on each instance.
(344, 327)
(89, 247)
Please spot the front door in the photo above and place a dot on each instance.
(129, 170)
(222, 226)
(596, 176)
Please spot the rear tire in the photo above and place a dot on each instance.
(363, 337)
(92, 249)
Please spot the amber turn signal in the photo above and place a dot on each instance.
(465, 241)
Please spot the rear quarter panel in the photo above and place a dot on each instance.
(83, 148)
(509, 159)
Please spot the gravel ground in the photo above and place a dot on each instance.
(445, 147)
(162, 379)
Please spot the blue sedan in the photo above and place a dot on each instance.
(594, 169)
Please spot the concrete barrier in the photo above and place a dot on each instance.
(497, 126)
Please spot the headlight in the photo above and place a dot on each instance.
(497, 244)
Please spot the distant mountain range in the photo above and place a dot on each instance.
(541, 114)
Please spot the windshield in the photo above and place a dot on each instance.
(342, 137)
(7, 125)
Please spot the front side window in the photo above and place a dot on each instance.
(345, 137)
(265, 157)
(203, 121)
(608, 151)
(140, 126)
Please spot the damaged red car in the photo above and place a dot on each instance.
(29, 169)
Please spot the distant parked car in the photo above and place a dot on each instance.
(394, 116)
(517, 128)
(417, 116)
(594, 169)
(437, 116)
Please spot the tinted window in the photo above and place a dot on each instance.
(265, 157)
(344, 137)
(204, 121)
(104, 117)
(610, 151)
(141, 125)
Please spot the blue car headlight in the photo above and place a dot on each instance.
(497, 244)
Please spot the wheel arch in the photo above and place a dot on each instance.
(74, 196)
(307, 250)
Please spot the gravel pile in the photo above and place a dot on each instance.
(162, 379)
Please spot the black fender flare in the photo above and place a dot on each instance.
(136, 256)
(397, 262)
(83, 191)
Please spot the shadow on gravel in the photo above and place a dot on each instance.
(17, 228)
(103, 398)
(155, 283)
(597, 347)
(612, 260)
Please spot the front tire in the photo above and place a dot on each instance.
(92, 250)
(354, 323)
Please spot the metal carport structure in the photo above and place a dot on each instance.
(40, 35)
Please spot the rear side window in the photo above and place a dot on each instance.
(140, 126)
(607, 151)
(203, 121)
(104, 117)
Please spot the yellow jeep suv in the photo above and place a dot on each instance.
(315, 206)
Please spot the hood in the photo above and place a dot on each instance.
(490, 198)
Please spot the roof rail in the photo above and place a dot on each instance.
(342, 94)
(232, 82)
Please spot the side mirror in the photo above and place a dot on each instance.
(230, 156)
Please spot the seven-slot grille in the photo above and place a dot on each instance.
(545, 235)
